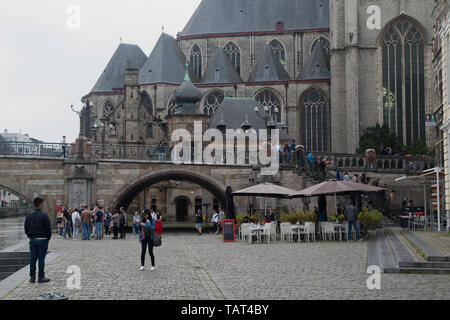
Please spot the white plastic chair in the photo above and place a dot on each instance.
(266, 233)
(309, 232)
(286, 230)
(329, 232)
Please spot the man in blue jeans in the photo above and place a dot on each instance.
(351, 217)
(86, 223)
(99, 223)
(38, 230)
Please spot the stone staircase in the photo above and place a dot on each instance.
(389, 253)
(10, 262)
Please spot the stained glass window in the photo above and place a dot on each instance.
(213, 102)
(196, 60)
(271, 103)
(278, 48)
(314, 122)
(234, 54)
(403, 81)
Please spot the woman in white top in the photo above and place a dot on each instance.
(76, 224)
(215, 221)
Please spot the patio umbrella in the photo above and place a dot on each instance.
(266, 190)
(335, 187)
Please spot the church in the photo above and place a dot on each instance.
(322, 71)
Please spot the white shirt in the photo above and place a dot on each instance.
(75, 215)
(215, 218)
(154, 216)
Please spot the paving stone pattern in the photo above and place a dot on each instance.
(203, 267)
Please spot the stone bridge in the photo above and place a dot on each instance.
(115, 183)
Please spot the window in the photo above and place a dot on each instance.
(146, 101)
(213, 102)
(270, 102)
(403, 81)
(196, 60)
(278, 48)
(234, 54)
(149, 131)
(326, 49)
(171, 108)
(314, 122)
(112, 130)
(108, 109)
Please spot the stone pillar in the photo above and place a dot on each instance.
(351, 75)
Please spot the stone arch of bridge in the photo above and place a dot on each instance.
(125, 196)
(20, 191)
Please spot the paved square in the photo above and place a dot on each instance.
(203, 267)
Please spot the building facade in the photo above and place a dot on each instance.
(314, 66)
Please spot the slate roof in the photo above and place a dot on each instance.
(269, 68)
(113, 77)
(240, 16)
(235, 111)
(166, 63)
(221, 70)
(315, 67)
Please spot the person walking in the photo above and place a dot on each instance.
(67, 222)
(215, 221)
(311, 162)
(60, 222)
(123, 223)
(199, 221)
(38, 230)
(76, 222)
(136, 223)
(146, 237)
(86, 222)
(351, 217)
(99, 216)
(116, 223)
(108, 219)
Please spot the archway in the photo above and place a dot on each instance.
(181, 204)
(127, 194)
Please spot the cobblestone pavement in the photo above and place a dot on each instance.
(203, 267)
(439, 240)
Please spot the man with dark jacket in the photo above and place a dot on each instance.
(123, 222)
(351, 216)
(38, 230)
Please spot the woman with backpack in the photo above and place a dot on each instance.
(146, 238)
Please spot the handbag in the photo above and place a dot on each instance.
(157, 240)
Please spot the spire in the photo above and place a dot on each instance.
(162, 29)
(186, 76)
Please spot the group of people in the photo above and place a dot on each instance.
(356, 178)
(97, 223)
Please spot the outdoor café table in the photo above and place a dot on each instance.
(298, 227)
(340, 228)
(258, 230)
(408, 219)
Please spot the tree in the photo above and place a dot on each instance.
(377, 137)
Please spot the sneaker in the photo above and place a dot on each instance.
(43, 280)
(141, 268)
(360, 240)
(152, 269)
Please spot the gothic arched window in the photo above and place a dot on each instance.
(213, 102)
(234, 54)
(314, 122)
(278, 48)
(326, 49)
(271, 103)
(404, 81)
(146, 101)
(149, 131)
(171, 107)
(196, 60)
(108, 109)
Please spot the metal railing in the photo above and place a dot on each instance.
(34, 149)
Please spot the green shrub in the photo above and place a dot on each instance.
(370, 219)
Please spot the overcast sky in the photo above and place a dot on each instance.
(45, 67)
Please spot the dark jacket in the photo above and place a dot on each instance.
(37, 225)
